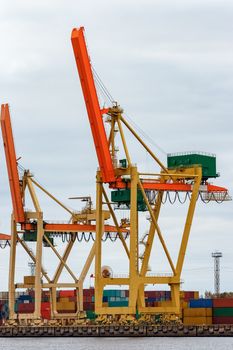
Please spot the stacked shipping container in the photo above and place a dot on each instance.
(198, 312)
(223, 311)
(194, 310)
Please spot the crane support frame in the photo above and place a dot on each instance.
(127, 177)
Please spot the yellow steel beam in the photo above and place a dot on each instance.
(148, 248)
(133, 252)
(61, 259)
(124, 142)
(98, 241)
(25, 247)
(189, 219)
(11, 281)
(157, 227)
(115, 222)
(33, 195)
(143, 144)
(151, 234)
(38, 286)
(52, 197)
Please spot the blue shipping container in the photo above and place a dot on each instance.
(205, 303)
(25, 297)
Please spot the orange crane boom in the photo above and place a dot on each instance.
(4, 237)
(11, 163)
(92, 105)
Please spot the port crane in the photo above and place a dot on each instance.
(134, 189)
(30, 226)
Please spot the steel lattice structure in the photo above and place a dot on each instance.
(217, 255)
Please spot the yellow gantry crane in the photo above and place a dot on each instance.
(130, 188)
(30, 226)
(138, 192)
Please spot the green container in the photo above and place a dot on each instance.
(123, 197)
(118, 303)
(31, 236)
(223, 311)
(109, 293)
(123, 163)
(91, 315)
(206, 161)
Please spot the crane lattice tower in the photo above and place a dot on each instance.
(217, 255)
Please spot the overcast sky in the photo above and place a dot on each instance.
(170, 66)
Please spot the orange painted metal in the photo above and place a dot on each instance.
(92, 105)
(72, 227)
(158, 186)
(11, 162)
(4, 237)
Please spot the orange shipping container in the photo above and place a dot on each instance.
(197, 312)
(197, 320)
(68, 306)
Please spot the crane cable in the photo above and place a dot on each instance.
(86, 236)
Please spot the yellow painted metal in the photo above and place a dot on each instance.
(51, 196)
(144, 145)
(63, 262)
(188, 223)
(124, 141)
(33, 258)
(136, 281)
(40, 272)
(98, 248)
(115, 221)
(11, 287)
(133, 260)
(148, 248)
(33, 195)
(157, 227)
(38, 287)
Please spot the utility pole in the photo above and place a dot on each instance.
(217, 255)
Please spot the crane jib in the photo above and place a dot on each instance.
(92, 105)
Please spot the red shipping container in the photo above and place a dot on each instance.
(67, 293)
(223, 302)
(46, 310)
(46, 314)
(223, 320)
(88, 306)
(26, 308)
(188, 296)
(89, 292)
(126, 293)
(45, 306)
